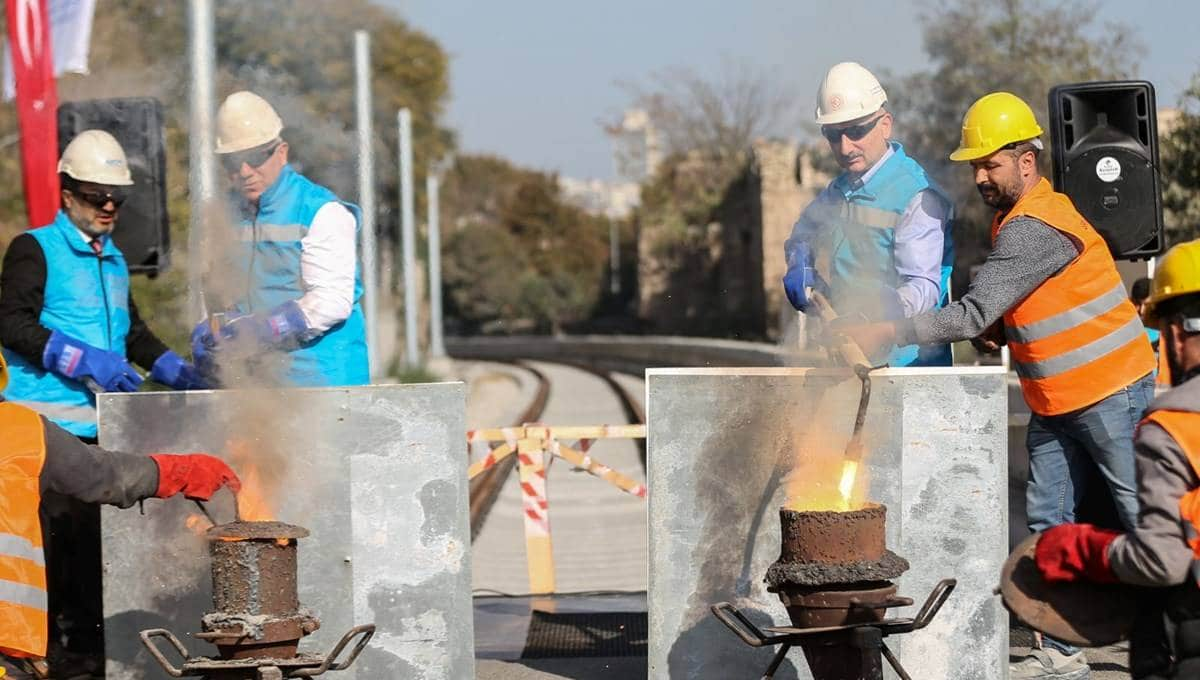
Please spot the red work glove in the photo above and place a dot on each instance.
(1075, 552)
(197, 475)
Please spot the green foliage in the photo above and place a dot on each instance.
(1180, 151)
(980, 46)
(296, 53)
(518, 257)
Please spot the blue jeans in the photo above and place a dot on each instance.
(1060, 446)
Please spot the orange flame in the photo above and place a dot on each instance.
(822, 478)
(255, 502)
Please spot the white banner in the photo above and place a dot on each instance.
(70, 35)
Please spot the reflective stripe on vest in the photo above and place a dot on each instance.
(274, 233)
(1076, 338)
(24, 624)
(1184, 428)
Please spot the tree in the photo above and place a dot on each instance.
(980, 46)
(518, 257)
(1180, 151)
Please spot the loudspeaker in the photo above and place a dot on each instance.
(1104, 141)
(143, 229)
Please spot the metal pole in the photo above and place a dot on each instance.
(432, 188)
(202, 166)
(408, 239)
(614, 258)
(366, 194)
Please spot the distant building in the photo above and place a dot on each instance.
(615, 200)
(636, 150)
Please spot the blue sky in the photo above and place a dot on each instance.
(531, 79)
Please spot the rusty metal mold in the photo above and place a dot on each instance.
(887, 567)
(261, 530)
(822, 548)
(258, 620)
(257, 609)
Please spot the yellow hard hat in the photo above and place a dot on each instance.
(3, 378)
(96, 156)
(993, 121)
(244, 121)
(1177, 273)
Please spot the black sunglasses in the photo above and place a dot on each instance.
(98, 198)
(854, 132)
(232, 162)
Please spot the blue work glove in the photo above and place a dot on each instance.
(79, 361)
(800, 277)
(203, 345)
(283, 327)
(171, 370)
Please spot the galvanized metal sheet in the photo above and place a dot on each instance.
(377, 474)
(720, 441)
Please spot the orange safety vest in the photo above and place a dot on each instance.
(1076, 338)
(1184, 428)
(24, 626)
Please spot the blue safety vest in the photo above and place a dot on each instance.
(271, 254)
(86, 298)
(858, 237)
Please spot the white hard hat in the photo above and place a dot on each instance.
(244, 121)
(848, 91)
(95, 156)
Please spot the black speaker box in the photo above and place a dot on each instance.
(143, 229)
(1104, 141)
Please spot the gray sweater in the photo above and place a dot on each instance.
(92, 474)
(1156, 552)
(1027, 252)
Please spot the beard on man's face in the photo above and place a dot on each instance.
(996, 196)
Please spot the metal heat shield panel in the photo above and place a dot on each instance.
(721, 443)
(376, 473)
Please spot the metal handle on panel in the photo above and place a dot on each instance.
(936, 599)
(367, 630)
(739, 624)
(146, 636)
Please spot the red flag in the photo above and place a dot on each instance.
(37, 106)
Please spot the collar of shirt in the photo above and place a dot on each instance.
(866, 176)
(87, 240)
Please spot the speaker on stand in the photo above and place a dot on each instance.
(1104, 145)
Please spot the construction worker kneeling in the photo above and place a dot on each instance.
(1163, 550)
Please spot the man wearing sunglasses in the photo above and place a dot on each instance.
(70, 328)
(294, 243)
(876, 241)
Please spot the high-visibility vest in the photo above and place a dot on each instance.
(1076, 338)
(1184, 428)
(24, 626)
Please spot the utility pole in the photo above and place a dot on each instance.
(366, 194)
(437, 348)
(408, 239)
(201, 164)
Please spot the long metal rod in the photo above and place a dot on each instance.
(202, 165)
(408, 239)
(437, 347)
(366, 194)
